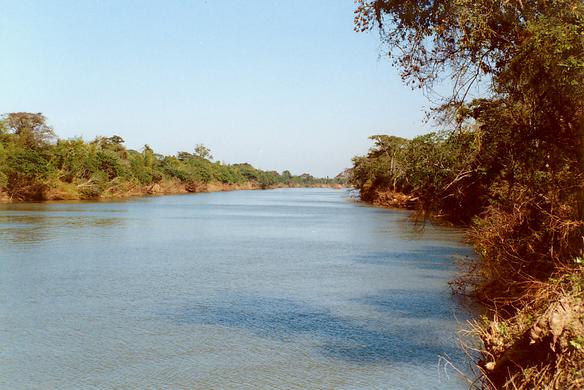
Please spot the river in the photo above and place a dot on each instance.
(278, 289)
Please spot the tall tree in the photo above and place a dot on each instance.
(203, 152)
(31, 129)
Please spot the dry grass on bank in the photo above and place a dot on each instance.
(541, 346)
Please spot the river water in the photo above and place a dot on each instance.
(279, 289)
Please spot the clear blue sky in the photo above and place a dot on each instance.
(282, 84)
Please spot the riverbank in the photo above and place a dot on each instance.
(534, 341)
(35, 165)
(125, 189)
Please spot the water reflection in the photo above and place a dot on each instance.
(34, 223)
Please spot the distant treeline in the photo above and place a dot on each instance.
(36, 165)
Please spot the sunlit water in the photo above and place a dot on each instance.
(278, 289)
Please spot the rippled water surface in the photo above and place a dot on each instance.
(277, 289)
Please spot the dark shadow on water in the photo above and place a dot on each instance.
(417, 304)
(339, 338)
(426, 257)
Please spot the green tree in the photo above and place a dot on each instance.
(70, 158)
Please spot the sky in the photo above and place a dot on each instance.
(281, 84)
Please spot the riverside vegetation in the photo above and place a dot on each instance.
(36, 165)
(509, 164)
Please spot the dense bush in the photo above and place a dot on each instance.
(439, 170)
(27, 174)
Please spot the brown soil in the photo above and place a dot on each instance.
(391, 199)
(120, 190)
